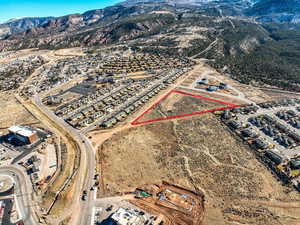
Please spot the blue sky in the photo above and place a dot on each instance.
(39, 8)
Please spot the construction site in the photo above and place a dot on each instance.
(184, 150)
(127, 123)
(162, 203)
(172, 204)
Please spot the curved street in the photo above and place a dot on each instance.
(22, 194)
(82, 210)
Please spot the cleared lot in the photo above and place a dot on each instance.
(19, 116)
(201, 154)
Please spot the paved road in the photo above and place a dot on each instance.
(6, 220)
(139, 95)
(285, 152)
(247, 101)
(95, 101)
(23, 199)
(86, 170)
(241, 96)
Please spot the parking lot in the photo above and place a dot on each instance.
(7, 154)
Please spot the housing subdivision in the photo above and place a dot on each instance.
(114, 91)
(272, 129)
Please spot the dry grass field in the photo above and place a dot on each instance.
(199, 153)
(214, 95)
(12, 112)
(175, 104)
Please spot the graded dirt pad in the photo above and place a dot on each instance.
(250, 92)
(225, 91)
(201, 154)
(174, 204)
(47, 54)
(277, 94)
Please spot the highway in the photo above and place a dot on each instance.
(25, 208)
(81, 209)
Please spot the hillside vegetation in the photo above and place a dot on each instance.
(274, 61)
(260, 53)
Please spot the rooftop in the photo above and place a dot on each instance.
(125, 216)
(21, 131)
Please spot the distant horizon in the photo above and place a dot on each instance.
(23, 9)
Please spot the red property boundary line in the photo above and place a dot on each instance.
(135, 122)
(204, 98)
(229, 106)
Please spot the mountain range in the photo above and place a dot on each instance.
(261, 10)
(252, 40)
(276, 11)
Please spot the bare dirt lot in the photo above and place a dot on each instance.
(225, 91)
(214, 95)
(199, 153)
(175, 104)
(47, 54)
(12, 112)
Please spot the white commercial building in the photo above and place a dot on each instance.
(127, 217)
(24, 134)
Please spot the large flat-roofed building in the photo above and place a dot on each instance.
(127, 217)
(24, 134)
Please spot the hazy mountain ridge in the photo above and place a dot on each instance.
(276, 11)
(49, 25)
(20, 25)
(101, 25)
(216, 30)
(263, 10)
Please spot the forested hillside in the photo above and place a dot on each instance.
(273, 62)
(239, 37)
